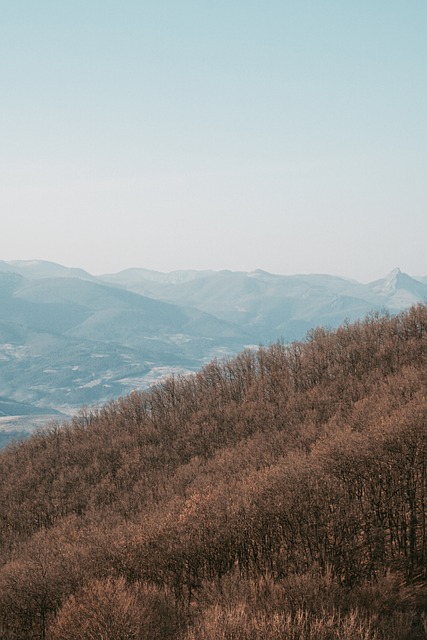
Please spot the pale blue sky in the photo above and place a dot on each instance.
(289, 136)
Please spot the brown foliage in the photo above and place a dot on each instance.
(115, 610)
(299, 462)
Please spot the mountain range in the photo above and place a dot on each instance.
(68, 338)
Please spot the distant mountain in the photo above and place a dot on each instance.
(142, 277)
(36, 269)
(67, 341)
(68, 338)
(400, 290)
(272, 306)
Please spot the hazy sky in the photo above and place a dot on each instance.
(289, 136)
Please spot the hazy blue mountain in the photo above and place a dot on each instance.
(36, 269)
(68, 338)
(141, 278)
(68, 341)
(263, 303)
(269, 305)
(399, 290)
(96, 311)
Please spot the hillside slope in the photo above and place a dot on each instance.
(279, 494)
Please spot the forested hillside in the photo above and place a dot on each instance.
(277, 495)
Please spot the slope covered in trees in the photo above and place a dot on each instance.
(280, 494)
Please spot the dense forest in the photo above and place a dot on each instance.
(279, 495)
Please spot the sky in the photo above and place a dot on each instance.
(284, 135)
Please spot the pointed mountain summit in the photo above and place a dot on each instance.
(400, 289)
(393, 281)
